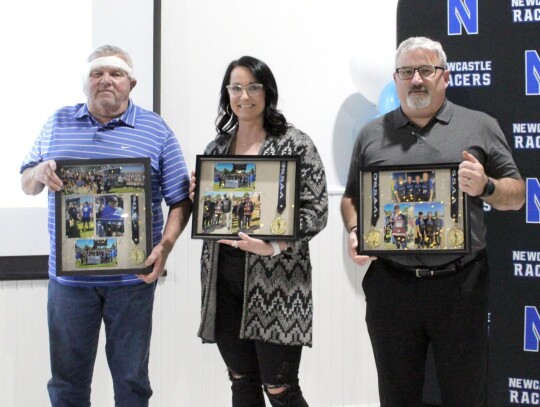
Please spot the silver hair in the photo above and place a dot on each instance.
(414, 43)
(110, 50)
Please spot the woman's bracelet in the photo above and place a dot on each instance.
(276, 248)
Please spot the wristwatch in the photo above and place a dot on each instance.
(489, 189)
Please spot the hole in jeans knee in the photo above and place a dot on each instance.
(276, 389)
(281, 387)
(245, 377)
(234, 376)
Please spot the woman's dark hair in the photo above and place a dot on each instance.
(274, 121)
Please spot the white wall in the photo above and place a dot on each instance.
(33, 80)
(330, 60)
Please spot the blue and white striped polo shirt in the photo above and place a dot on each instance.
(72, 133)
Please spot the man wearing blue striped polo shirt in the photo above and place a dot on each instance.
(108, 125)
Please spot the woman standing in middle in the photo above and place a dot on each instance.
(257, 302)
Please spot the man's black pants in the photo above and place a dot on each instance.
(405, 313)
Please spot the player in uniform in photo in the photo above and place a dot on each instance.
(399, 190)
(420, 236)
(73, 213)
(427, 188)
(409, 189)
(417, 189)
(399, 228)
(248, 212)
(207, 210)
(438, 224)
(218, 211)
(429, 223)
(227, 209)
(86, 216)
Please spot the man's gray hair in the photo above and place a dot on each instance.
(414, 43)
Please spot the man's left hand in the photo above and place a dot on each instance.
(472, 178)
(158, 258)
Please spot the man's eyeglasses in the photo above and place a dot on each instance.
(253, 89)
(425, 71)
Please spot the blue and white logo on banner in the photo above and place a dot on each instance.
(462, 14)
(526, 136)
(525, 11)
(533, 201)
(532, 329)
(532, 73)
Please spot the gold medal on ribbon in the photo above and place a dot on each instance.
(279, 226)
(136, 256)
(456, 237)
(373, 238)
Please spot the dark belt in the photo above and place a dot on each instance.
(433, 271)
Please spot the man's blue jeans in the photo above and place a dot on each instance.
(75, 315)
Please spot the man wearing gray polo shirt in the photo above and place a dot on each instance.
(406, 313)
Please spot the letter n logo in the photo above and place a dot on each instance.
(532, 73)
(532, 329)
(462, 13)
(533, 201)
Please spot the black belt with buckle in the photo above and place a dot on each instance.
(432, 271)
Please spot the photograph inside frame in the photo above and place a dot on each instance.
(255, 196)
(103, 218)
(412, 209)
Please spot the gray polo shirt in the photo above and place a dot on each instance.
(394, 140)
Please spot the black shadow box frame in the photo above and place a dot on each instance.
(103, 217)
(253, 194)
(412, 209)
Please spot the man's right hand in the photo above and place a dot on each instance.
(45, 174)
(353, 244)
(42, 175)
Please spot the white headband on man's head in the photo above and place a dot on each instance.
(110, 61)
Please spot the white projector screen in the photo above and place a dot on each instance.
(45, 48)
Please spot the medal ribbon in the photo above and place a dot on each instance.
(282, 183)
(375, 195)
(135, 219)
(454, 202)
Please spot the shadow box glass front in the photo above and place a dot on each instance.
(103, 217)
(412, 209)
(256, 195)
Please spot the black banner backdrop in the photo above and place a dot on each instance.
(493, 52)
